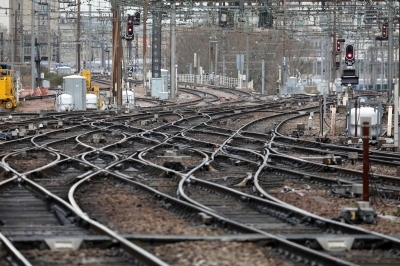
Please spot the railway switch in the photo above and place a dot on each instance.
(362, 213)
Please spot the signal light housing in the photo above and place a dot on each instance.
(349, 52)
(349, 57)
(338, 48)
(384, 30)
(136, 20)
(129, 28)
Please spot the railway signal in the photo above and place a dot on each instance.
(338, 46)
(136, 18)
(349, 57)
(349, 52)
(384, 30)
(129, 29)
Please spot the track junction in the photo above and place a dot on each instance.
(141, 188)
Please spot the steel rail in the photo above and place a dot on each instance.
(20, 259)
(129, 247)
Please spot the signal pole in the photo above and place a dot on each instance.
(117, 54)
(334, 44)
(78, 37)
(90, 36)
(33, 47)
(390, 53)
(173, 73)
(144, 44)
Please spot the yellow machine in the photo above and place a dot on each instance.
(91, 89)
(8, 92)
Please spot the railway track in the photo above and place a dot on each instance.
(172, 177)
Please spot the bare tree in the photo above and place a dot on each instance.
(5, 44)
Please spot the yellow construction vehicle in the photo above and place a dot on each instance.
(8, 92)
(92, 89)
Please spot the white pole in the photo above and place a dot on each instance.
(389, 127)
(333, 120)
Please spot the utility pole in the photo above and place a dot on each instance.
(21, 49)
(33, 47)
(144, 44)
(173, 51)
(390, 53)
(90, 37)
(78, 38)
(15, 34)
(216, 60)
(333, 65)
(284, 47)
(2, 45)
(396, 103)
(117, 54)
(12, 38)
(247, 56)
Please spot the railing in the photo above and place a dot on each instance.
(210, 80)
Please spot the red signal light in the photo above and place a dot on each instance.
(129, 28)
(349, 52)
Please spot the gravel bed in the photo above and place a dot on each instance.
(374, 257)
(58, 175)
(377, 169)
(186, 162)
(322, 203)
(218, 93)
(69, 147)
(192, 121)
(187, 113)
(206, 137)
(217, 253)
(184, 97)
(237, 181)
(160, 121)
(267, 125)
(107, 138)
(29, 160)
(8, 146)
(290, 125)
(129, 211)
(237, 121)
(193, 161)
(92, 257)
(248, 143)
(358, 164)
(218, 176)
(3, 259)
(68, 132)
(130, 146)
(142, 103)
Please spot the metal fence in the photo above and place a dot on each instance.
(210, 80)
